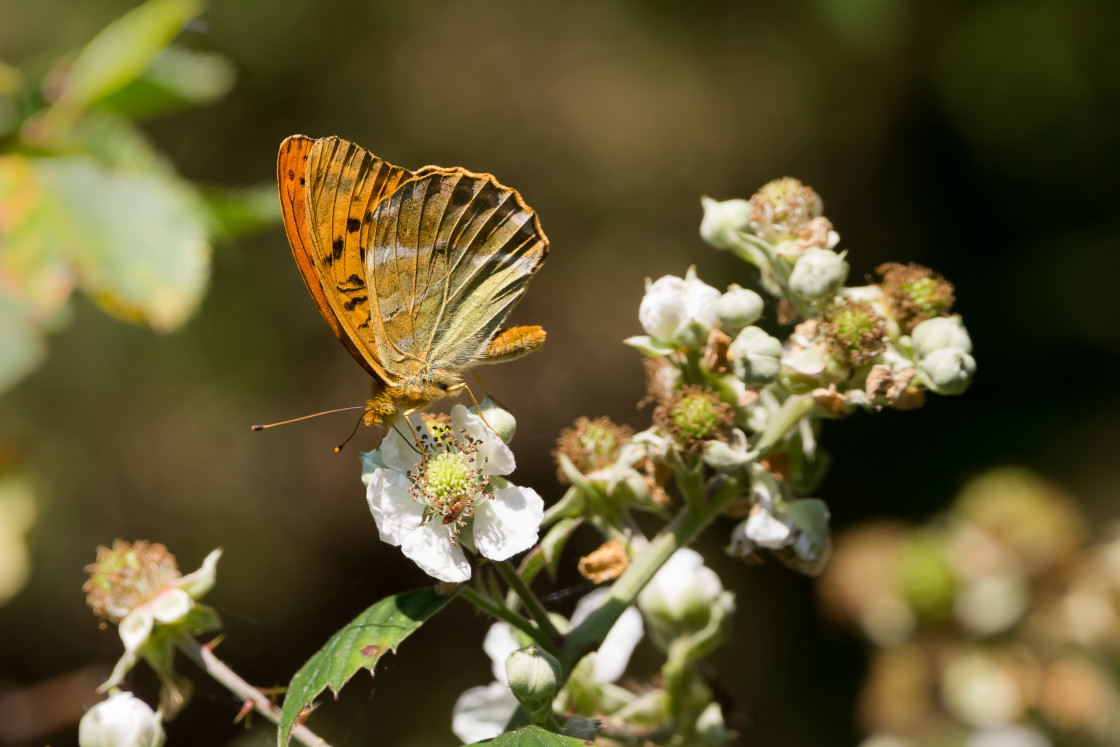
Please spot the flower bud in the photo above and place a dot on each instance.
(534, 677)
(710, 727)
(948, 370)
(679, 599)
(737, 308)
(500, 420)
(818, 273)
(722, 219)
(682, 312)
(940, 332)
(122, 720)
(756, 357)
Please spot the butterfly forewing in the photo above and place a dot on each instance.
(345, 182)
(450, 254)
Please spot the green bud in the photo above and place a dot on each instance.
(534, 677)
(501, 420)
(710, 727)
(818, 273)
(737, 308)
(940, 332)
(756, 357)
(948, 370)
(723, 219)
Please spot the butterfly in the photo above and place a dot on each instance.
(415, 272)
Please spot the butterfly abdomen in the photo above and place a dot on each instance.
(512, 343)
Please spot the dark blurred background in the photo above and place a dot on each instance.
(979, 138)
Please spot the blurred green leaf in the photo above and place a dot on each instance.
(534, 736)
(137, 239)
(360, 645)
(124, 49)
(22, 348)
(176, 79)
(109, 138)
(240, 211)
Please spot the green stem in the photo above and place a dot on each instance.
(494, 609)
(785, 420)
(528, 598)
(677, 534)
(216, 668)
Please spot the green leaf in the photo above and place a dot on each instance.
(137, 239)
(360, 645)
(22, 349)
(241, 211)
(176, 79)
(123, 49)
(534, 736)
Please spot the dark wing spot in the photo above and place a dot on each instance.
(353, 224)
(354, 279)
(291, 174)
(462, 193)
(362, 253)
(353, 302)
(368, 217)
(337, 246)
(302, 181)
(328, 260)
(369, 316)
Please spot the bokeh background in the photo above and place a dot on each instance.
(979, 138)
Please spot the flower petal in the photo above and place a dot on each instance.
(398, 450)
(396, 514)
(430, 548)
(483, 712)
(494, 457)
(135, 628)
(507, 524)
(170, 605)
(201, 581)
(609, 662)
(498, 645)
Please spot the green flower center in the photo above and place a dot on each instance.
(925, 295)
(449, 474)
(597, 441)
(696, 416)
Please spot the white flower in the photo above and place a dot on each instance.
(483, 712)
(609, 662)
(679, 311)
(122, 720)
(818, 273)
(138, 586)
(425, 506)
(682, 588)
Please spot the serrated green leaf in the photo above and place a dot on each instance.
(137, 239)
(360, 645)
(176, 79)
(534, 736)
(122, 50)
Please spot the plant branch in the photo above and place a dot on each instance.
(500, 612)
(528, 598)
(677, 534)
(220, 671)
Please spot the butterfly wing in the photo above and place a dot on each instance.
(451, 253)
(328, 190)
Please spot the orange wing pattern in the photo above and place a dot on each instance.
(328, 189)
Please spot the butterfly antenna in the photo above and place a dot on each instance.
(338, 448)
(305, 417)
(405, 439)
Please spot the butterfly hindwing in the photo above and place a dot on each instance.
(451, 253)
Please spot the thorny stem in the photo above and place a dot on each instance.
(216, 668)
(684, 528)
(529, 599)
(494, 609)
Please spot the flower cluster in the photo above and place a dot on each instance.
(750, 404)
(997, 616)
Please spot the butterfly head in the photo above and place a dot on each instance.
(410, 394)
